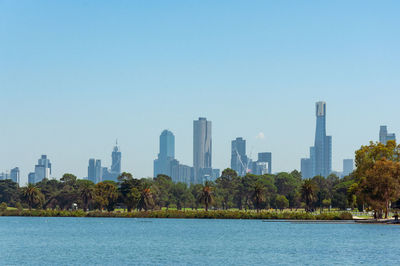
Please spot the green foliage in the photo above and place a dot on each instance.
(3, 207)
(200, 214)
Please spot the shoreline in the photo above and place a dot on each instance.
(187, 214)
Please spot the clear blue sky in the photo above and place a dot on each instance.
(76, 75)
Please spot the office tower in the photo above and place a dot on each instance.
(162, 165)
(384, 136)
(202, 148)
(98, 171)
(92, 170)
(116, 160)
(14, 175)
(4, 176)
(266, 157)
(259, 168)
(42, 169)
(239, 160)
(321, 153)
(306, 167)
(348, 166)
(31, 178)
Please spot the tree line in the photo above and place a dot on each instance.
(374, 185)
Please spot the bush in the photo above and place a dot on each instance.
(3, 207)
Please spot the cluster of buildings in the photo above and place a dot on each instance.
(319, 161)
(242, 164)
(97, 173)
(14, 175)
(202, 170)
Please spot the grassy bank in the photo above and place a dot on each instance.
(191, 214)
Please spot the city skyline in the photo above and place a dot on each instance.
(129, 70)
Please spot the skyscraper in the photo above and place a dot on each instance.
(92, 170)
(98, 172)
(14, 175)
(384, 136)
(266, 157)
(42, 169)
(239, 159)
(116, 160)
(162, 165)
(348, 166)
(202, 148)
(321, 153)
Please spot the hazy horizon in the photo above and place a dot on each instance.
(76, 76)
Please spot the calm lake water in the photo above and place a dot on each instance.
(113, 241)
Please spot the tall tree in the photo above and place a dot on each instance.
(207, 196)
(32, 196)
(308, 194)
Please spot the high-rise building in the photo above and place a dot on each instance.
(162, 165)
(14, 175)
(31, 178)
(202, 148)
(348, 167)
(166, 163)
(384, 136)
(98, 172)
(306, 168)
(266, 157)
(321, 153)
(116, 160)
(92, 170)
(42, 169)
(239, 160)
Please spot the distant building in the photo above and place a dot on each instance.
(239, 160)
(202, 149)
(162, 165)
(348, 167)
(92, 170)
(15, 175)
(266, 157)
(98, 172)
(306, 168)
(4, 176)
(321, 153)
(31, 178)
(384, 136)
(166, 164)
(116, 160)
(42, 169)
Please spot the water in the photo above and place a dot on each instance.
(113, 241)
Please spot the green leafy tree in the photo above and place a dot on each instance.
(86, 193)
(106, 195)
(281, 202)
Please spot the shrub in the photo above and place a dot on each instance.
(3, 207)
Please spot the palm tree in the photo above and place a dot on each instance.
(32, 196)
(308, 193)
(87, 195)
(258, 195)
(146, 201)
(206, 196)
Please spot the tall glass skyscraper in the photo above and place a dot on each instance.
(162, 165)
(320, 161)
(238, 156)
(116, 160)
(202, 148)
